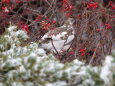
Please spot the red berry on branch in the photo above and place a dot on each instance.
(108, 26)
(6, 1)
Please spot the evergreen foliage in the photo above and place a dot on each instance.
(30, 66)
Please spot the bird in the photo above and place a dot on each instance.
(60, 38)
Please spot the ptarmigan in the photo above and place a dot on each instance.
(61, 37)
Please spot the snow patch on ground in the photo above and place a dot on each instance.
(106, 71)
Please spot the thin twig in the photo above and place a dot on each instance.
(54, 46)
(94, 53)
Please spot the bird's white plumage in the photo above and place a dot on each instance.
(61, 38)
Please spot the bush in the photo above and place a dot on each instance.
(29, 65)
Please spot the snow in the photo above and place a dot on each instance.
(46, 67)
(59, 83)
(33, 55)
(40, 51)
(22, 69)
(11, 74)
(77, 62)
(12, 62)
(1, 84)
(11, 28)
(90, 82)
(21, 34)
(49, 84)
(106, 71)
